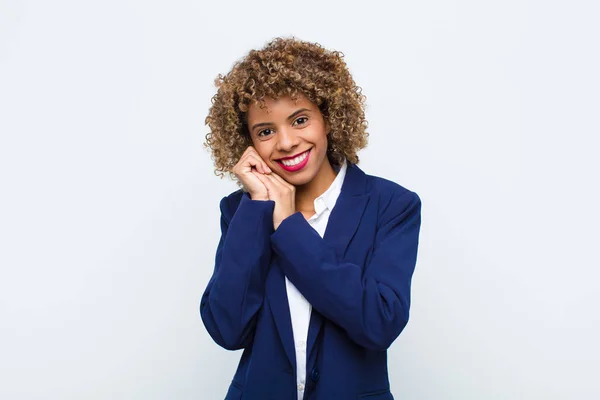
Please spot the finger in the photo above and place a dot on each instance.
(243, 157)
(258, 174)
(266, 181)
(251, 161)
(276, 185)
(257, 163)
(253, 151)
(282, 181)
(261, 177)
(264, 168)
(249, 150)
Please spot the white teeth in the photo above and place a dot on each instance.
(295, 161)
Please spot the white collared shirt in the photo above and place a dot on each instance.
(300, 308)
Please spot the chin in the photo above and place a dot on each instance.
(298, 180)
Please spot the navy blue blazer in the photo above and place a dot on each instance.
(357, 278)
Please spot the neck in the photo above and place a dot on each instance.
(307, 193)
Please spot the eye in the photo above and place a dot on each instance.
(260, 135)
(301, 119)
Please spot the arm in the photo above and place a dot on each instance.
(235, 291)
(372, 303)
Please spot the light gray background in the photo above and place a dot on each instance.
(109, 206)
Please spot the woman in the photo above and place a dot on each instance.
(313, 269)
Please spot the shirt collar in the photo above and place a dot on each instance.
(328, 199)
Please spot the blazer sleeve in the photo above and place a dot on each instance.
(370, 302)
(235, 292)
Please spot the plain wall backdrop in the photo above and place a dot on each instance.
(109, 216)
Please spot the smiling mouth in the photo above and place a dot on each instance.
(292, 162)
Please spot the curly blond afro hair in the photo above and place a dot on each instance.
(282, 68)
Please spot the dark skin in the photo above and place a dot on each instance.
(286, 128)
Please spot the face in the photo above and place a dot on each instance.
(291, 137)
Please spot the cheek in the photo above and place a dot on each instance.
(323, 140)
(263, 151)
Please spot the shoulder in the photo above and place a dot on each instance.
(230, 203)
(391, 197)
(387, 190)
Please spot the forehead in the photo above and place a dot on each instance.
(283, 105)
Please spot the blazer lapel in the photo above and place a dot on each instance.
(341, 226)
(278, 302)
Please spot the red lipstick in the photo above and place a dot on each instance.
(297, 167)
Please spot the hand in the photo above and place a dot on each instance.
(246, 169)
(282, 192)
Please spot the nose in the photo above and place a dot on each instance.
(287, 140)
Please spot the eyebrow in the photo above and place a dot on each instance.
(292, 115)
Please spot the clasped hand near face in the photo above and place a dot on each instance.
(263, 184)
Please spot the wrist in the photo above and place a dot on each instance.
(256, 196)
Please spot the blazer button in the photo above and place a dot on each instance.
(314, 375)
